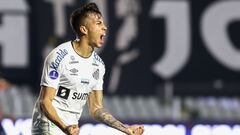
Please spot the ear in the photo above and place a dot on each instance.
(83, 30)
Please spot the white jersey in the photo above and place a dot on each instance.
(74, 77)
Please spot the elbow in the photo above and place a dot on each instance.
(43, 104)
(94, 113)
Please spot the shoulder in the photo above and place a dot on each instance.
(57, 55)
(64, 47)
(98, 59)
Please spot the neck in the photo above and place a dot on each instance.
(82, 48)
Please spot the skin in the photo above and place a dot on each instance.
(97, 111)
(46, 96)
(93, 30)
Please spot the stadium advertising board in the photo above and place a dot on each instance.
(22, 126)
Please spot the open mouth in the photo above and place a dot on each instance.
(102, 37)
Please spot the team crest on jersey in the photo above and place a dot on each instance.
(53, 74)
(96, 74)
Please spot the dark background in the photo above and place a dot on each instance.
(198, 77)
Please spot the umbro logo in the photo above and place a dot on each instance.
(73, 71)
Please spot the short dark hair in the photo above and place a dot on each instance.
(79, 14)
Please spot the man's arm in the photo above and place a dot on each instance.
(96, 109)
(46, 96)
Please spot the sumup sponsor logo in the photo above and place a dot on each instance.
(80, 96)
(63, 92)
(60, 55)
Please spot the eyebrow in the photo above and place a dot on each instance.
(99, 16)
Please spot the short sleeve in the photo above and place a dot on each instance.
(51, 71)
(99, 85)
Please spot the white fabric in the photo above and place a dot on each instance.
(74, 77)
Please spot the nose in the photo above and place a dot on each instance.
(104, 27)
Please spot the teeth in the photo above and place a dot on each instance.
(103, 36)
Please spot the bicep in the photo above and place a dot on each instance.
(95, 101)
(47, 93)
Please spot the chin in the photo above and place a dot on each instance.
(98, 45)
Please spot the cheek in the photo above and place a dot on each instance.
(93, 37)
(91, 34)
(94, 33)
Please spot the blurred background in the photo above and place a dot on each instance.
(172, 65)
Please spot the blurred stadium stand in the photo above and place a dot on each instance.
(152, 109)
(138, 108)
(17, 102)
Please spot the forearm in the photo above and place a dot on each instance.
(106, 118)
(51, 114)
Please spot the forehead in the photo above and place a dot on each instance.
(95, 17)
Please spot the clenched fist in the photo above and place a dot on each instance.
(72, 130)
(136, 130)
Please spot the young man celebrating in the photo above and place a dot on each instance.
(73, 75)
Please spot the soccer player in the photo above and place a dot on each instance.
(73, 75)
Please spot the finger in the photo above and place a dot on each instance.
(139, 130)
(76, 130)
(140, 127)
(130, 131)
(71, 129)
